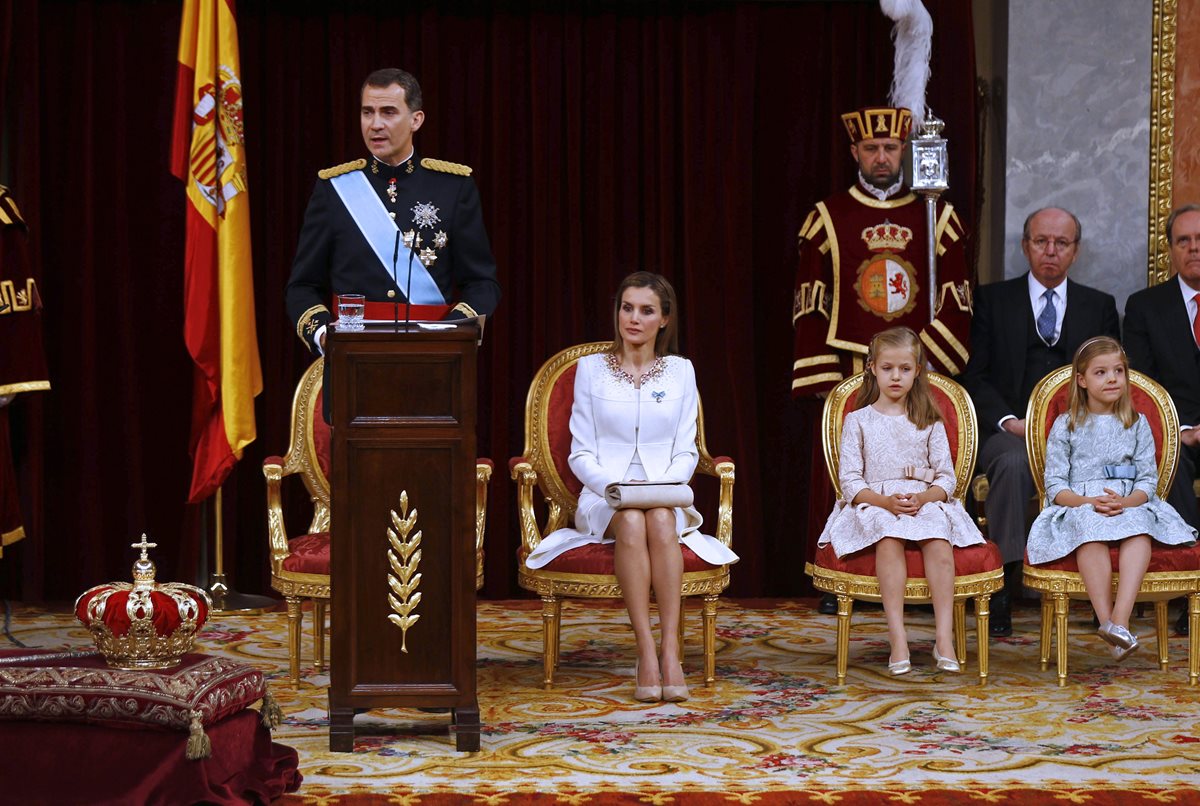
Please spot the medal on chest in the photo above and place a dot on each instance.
(425, 216)
(887, 283)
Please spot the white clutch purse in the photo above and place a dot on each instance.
(648, 494)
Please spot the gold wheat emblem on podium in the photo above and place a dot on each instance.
(404, 555)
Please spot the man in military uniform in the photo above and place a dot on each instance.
(864, 268)
(22, 358)
(371, 224)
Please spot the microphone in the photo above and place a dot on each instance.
(395, 304)
(408, 294)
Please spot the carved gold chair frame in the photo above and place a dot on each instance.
(301, 459)
(847, 586)
(535, 469)
(1059, 587)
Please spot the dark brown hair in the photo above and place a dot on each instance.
(388, 76)
(919, 405)
(666, 342)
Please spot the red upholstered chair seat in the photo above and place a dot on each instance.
(308, 554)
(1162, 558)
(967, 561)
(597, 558)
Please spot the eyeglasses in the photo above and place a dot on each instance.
(1041, 243)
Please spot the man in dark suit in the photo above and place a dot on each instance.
(1162, 332)
(1022, 329)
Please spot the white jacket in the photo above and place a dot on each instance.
(610, 419)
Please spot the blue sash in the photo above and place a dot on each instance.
(379, 229)
(1120, 471)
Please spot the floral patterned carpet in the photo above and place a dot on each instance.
(774, 729)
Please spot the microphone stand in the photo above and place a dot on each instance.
(412, 248)
(395, 304)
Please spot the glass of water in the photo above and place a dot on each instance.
(350, 311)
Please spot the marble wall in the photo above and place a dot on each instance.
(1078, 131)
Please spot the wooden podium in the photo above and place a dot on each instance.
(403, 525)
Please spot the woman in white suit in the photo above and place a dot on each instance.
(634, 419)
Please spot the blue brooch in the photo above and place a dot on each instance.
(658, 396)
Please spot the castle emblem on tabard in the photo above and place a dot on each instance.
(887, 283)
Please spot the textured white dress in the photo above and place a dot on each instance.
(1076, 461)
(621, 432)
(875, 449)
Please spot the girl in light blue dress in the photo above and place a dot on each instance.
(1101, 481)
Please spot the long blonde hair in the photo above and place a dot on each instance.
(1077, 405)
(919, 405)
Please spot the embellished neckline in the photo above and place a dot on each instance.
(656, 369)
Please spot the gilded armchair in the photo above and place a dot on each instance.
(587, 571)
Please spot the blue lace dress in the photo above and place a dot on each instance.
(1101, 453)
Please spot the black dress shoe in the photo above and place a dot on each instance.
(828, 605)
(1181, 626)
(1000, 625)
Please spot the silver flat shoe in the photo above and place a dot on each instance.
(900, 667)
(1119, 653)
(945, 664)
(1117, 635)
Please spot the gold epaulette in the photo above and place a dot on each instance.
(446, 167)
(9, 214)
(344, 168)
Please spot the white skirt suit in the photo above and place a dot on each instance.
(620, 432)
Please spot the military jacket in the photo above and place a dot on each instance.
(863, 268)
(435, 203)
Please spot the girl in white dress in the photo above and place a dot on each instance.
(634, 419)
(897, 479)
(1101, 482)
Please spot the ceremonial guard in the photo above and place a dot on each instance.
(372, 224)
(22, 357)
(863, 266)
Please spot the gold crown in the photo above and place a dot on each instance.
(878, 121)
(121, 617)
(887, 236)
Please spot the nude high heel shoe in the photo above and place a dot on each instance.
(675, 693)
(645, 693)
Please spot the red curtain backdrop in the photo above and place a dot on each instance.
(684, 138)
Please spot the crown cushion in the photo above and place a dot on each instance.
(86, 689)
(74, 725)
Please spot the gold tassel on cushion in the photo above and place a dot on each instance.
(272, 714)
(198, 744)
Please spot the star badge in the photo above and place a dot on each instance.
(425, 215)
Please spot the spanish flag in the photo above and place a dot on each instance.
(208, 153)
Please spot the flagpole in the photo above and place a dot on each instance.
(225, 599)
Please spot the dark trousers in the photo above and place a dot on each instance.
(1003, 460)
(1182, 495)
